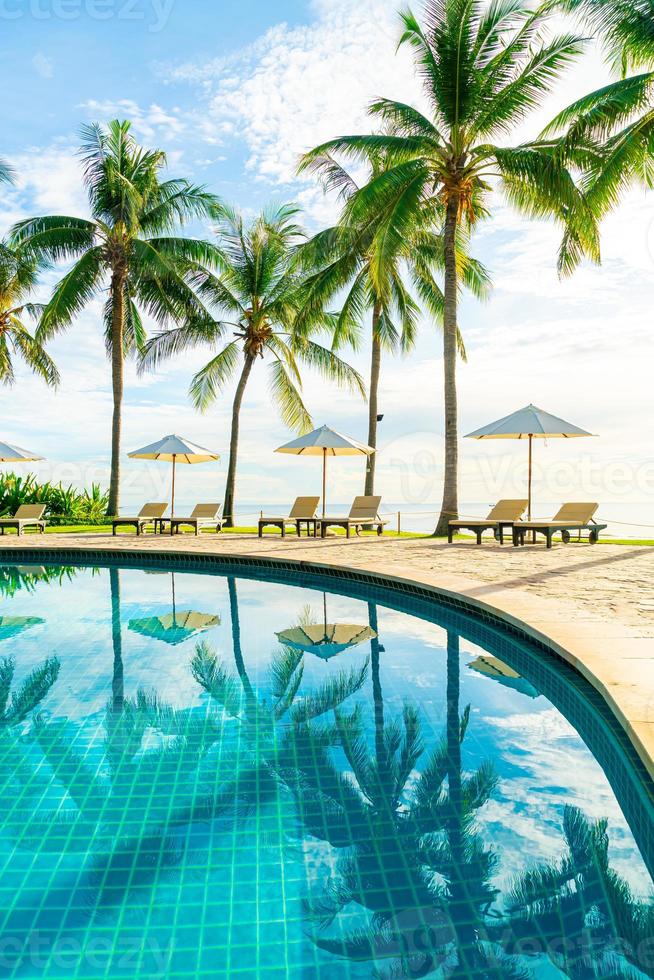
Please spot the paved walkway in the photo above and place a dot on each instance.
(594, 605)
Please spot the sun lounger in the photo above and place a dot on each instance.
(364, 512)
(571, 517)
(27, 515)
(149, 514)
(302, 512)
(503, 516)
(204, 515)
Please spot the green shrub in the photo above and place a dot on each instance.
(63, 504)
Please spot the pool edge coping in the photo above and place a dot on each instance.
(536, 618)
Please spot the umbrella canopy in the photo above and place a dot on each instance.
(14, 454)
(326, 640)
(13, 625)
(174, 449)
(325, 442)
(499, 671)
(529, 423)
(175, 627)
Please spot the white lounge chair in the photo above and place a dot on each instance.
(27, 515)
(570, 517)
(149, 514)
(302, 512)
(364, 512)
(502, 516)
(204, 515)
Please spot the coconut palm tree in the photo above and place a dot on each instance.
(616, 122)
(257, 291)
(484, 69)
(18, 277)
(274, 718)
(409, 856)
(352, 258)
(128, 250)
(579, 911)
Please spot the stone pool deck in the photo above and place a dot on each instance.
(594, 606)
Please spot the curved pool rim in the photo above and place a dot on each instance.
(627, 766)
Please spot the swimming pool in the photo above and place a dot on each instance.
(248, 773)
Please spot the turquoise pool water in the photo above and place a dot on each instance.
(210, 775)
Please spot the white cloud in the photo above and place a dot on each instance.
(152, 125)
(43, 65)
(298, 86)
(524, 818)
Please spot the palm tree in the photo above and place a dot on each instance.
(352, 257)
(616, 122)
(128, 248)
(409, 855)
(275, 718)
(18, 277)
(582, 898)
(484, 68)
(258, 292)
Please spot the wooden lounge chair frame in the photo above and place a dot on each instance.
(570, 517)
(151, 513)
(27, 515)
(501, 517)
(363, 513)
(302, 512)
(204, 515)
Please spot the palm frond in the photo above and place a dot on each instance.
(330, 695)
(329, 364)
(211, 379)
(55, 237)
(72, 293)
(288, 399)
(33, 353)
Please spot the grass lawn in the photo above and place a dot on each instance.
(106, 529)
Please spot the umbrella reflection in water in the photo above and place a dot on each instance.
(499, 671)
(326, 640)
(175, 627)
(13, 625)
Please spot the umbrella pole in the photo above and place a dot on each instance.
(324, 479)
(531, 440)
(529, 493)
(172, 501)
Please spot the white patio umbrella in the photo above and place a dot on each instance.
(325, 442)
(14, 454)
(529, 423)
(174, 449)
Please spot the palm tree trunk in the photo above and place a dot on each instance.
(237, 650)
(118, 673)
(373, 394)
(117, 381)
(377, 694)
(230, 486)
(459, 903)
(450, 504)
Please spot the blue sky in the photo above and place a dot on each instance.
(235, 92)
